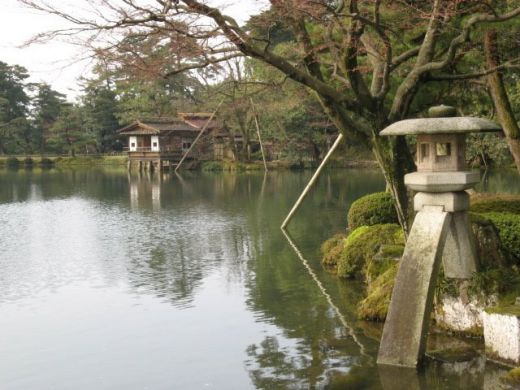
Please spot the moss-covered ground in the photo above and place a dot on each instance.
(512, 378)
(370, 253)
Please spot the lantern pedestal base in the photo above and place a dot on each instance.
(441, 181)
(440, 232)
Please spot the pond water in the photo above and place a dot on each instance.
(117, 281)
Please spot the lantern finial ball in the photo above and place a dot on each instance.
(442, 111)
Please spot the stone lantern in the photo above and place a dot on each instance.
(441, 229)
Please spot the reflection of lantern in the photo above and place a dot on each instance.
(440, 230)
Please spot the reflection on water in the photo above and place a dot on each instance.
(110, 280)
(505, 181)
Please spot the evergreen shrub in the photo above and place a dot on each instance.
(508, 225)
(376, 208)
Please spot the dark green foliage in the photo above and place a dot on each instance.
(499, 280)
(365, 248)
(490, 249)
(100, 106)
(48, 104)
(371, 210)
(211, 166)
(332, 250)
(28, 162)
(46, 162)
(12, 162)
(69, 133)
(508, 225)
(14, 103)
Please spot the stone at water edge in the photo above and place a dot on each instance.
(502, 333)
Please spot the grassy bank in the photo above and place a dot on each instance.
(59, 161)
(214, 166)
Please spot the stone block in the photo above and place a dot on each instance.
(502, 334)
(451, 201)
(441, 181)
(459, 257)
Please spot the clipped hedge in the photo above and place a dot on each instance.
(508, 225)
(373, 209)
(496, 204)
(369, 251)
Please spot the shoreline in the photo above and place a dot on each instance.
(210, 165)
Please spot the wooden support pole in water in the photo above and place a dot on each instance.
(198, 136)
(312, 181)
(255, 115)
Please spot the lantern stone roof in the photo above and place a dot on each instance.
(453, 125)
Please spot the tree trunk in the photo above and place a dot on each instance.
(395, 160)
(393, 155)
(500, 98)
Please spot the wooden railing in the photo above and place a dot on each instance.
(149, 149)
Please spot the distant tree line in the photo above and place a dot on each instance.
(36, 119)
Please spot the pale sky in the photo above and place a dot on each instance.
(57, 63)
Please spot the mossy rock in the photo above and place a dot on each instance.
(490, 250)
(369, 251)
(512, 378)
(508, 225)
(332, 250)
(373, 209)
(375, 306)
(484, 203)
(386, 256)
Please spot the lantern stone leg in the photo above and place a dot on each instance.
(407, 322)
(459, 259)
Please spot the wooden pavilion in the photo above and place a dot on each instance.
(158, 142)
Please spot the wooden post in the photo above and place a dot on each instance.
(312, 181)
(258, 133)
(198, 136)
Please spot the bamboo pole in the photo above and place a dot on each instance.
(312, 181)
(198, 137)
(258, 133)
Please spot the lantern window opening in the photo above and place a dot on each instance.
(443, 149)
(425, 151)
